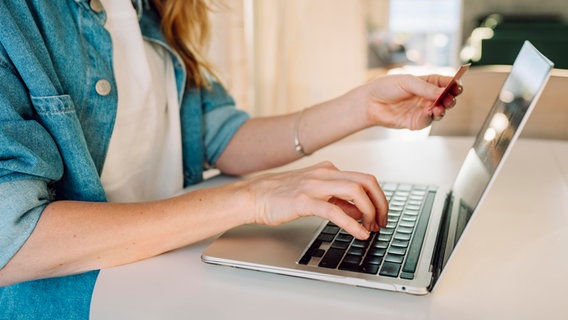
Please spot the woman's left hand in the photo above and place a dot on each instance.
(406, 101)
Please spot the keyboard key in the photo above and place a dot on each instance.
(402, 229)
(407, 275)
(389, 231)
(390, 269)
(415, 202)
(349, 266)
(400, 243)
(413, 207)
(377, 252)
(360, 243)
(416, 197)
(369, 268)
(373, 260)
(400, 198)
(351, 258)
(324, 237)
(402, 236)
(331, 258)
(330, 229)
(394, 258)
(389, 187)
(381, 244)
(407, 217)
(396, 204)
(341, 245)
(356, 251)
(392, 219)
(384, 237)
(344, 237)
(318, 253)
(411, 212)
(407, 224)
(401, 251)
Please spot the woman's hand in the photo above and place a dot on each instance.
(405, 101)
(321, 190)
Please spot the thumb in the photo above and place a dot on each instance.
(420, 87)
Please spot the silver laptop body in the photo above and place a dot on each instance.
(284, 249)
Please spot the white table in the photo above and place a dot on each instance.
(511, 262)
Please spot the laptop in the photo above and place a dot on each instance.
(425, 222)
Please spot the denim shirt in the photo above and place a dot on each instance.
(56, 118)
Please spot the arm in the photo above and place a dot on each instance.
(398, 101)
(73, 237)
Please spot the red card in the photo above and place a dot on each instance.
(461, 71)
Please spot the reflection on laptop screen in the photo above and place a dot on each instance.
(509, 112)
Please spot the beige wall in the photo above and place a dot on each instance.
(228, 50)
(306, 52)
(296, 53)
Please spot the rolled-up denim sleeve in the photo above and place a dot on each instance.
(222, 120)
(22, 204)
(29, 162)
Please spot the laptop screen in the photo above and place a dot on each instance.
(503, 124)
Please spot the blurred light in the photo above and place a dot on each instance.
(506, 96)
(499, 122)
(490, 134)
(413, 55)
(481, 33)
(473, 50)
(440, 40)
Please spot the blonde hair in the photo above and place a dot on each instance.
(186, 26)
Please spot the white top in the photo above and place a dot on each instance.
(144, 160)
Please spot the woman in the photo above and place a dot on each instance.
(108, 109)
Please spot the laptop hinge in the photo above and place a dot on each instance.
(437, 262)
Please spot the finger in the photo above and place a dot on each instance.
(457, 90)
(347, 207)
(373, 192)
(437, 80)
(438, 113)
(336, 215)
(449, 101)
(360, 189)
(424, 87)
(355, 194)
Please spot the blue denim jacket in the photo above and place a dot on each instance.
(55, 130)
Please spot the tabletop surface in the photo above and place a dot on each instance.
(510, 263)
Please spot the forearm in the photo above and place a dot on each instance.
(267, 142)
(73, 237)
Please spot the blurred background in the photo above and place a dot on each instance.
(278, 56)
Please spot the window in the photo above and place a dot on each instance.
(422, 32)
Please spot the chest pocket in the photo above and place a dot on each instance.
(58, 116)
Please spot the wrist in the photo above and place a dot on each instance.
(297, 143)
(359, 108)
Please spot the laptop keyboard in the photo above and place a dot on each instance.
(393, 251)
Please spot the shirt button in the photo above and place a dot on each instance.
(96, 6)
(103, 87)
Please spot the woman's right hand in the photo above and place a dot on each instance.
(343, 197)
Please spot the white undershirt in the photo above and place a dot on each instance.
(144, 160)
